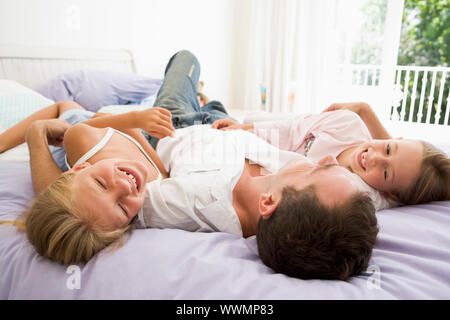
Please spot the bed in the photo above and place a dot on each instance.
(411, 259)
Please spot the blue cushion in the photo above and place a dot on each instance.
(15, 107)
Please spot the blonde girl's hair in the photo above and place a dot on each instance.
(58, 230)
(433, 182)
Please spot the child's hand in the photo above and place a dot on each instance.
(228, 124)
(157, 122)
(53, 129)
(356, 107)
(225, 124)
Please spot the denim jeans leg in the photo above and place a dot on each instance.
(178, 93)
(216, 110)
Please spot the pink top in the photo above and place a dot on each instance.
(315, 136)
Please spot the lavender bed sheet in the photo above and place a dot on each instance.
(411, 261)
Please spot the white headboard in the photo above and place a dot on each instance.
(33, 66)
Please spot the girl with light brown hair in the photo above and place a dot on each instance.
(398, 170)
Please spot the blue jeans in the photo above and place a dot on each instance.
(178, 94)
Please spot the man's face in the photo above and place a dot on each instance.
(111, 191)
(387, 165)
(333, 184)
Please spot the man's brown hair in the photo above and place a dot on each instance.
(305, 239)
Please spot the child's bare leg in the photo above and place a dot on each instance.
(16, 134)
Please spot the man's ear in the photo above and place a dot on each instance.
(78, 167)
(267, 205)
(389, 195)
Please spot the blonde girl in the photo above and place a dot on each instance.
(90, 192)
(81, 211)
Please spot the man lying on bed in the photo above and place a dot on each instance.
(234, 182)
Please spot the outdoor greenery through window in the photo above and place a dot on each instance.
(424, 43)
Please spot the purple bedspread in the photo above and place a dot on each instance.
(411, 261)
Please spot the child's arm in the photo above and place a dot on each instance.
(16, 134)
(155, 121)
(376, 129)
(120, 122)
(127, 121)
(39, 135)
(277, 132)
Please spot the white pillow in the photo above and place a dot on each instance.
(10, 86)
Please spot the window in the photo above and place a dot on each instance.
(422, 75)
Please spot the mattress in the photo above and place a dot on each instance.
(410, 261)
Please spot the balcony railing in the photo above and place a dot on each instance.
(423, 93)
(419, 94)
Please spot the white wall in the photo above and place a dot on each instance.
(240, 48)
(152, 29)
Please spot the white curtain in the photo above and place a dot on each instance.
(316, 55)
(289, 54)
(295, 48)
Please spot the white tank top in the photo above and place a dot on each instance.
(103, 142)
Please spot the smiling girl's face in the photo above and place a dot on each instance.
(387, 165)
(110, 191)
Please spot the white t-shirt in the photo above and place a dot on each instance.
(205, 165)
